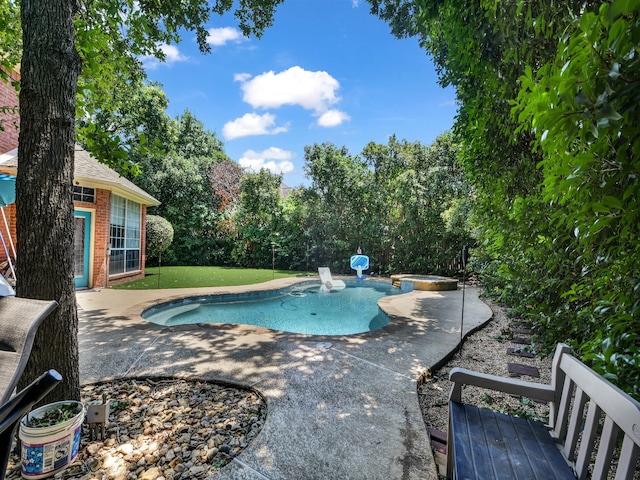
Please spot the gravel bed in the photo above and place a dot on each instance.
(163, 429)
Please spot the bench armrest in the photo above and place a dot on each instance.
(462, 376)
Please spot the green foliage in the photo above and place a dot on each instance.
(182, 186)
(582, 106)
(337, 211)
(193, 140)
(159, 235)
(403, 204)
(257, 219)
(11, 48)
(132, 124)
(548, 123)
(181, 181)
(10, 39)
(54, 415)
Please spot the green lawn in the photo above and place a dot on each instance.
(185, 277)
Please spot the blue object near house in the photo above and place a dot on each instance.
(7, 189)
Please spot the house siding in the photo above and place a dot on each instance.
(9, 121)
(101, 259)
(101, 210)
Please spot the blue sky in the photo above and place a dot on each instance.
(326, 71)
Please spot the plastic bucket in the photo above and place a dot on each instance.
(47, 450)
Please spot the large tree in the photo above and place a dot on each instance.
(130, 126)
(257, 219)
(402, 204)
(109, 34)
(50, 69)
(181, 180)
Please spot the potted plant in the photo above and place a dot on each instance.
(50, 437)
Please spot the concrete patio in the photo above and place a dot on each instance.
(339, 407)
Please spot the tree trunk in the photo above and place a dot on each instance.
(45, 264)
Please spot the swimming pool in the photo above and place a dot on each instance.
(302, 308)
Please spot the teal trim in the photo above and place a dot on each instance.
(82, 281)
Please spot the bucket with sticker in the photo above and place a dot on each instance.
(50, 437)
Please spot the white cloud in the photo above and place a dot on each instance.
(252, 124)
(241, 77)
(314, 91)
(221, 36)
(274, 159)
(448, 103)
(171, 53)
(333, 118)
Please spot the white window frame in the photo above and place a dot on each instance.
(125, 234)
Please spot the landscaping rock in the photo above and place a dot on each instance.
(163, 430)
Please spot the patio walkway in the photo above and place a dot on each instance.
(338, 407)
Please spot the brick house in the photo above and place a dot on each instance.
(110, 213)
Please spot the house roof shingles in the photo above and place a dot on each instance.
(90, 172)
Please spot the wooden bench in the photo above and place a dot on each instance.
(593, 430)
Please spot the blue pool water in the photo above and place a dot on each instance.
(299, 309)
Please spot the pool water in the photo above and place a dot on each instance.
(299, 309)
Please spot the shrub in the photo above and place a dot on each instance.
(159, 235)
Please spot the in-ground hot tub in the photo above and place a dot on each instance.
(408, 282)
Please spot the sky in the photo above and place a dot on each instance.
(326, 71)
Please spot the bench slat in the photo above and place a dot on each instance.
(628, 459)
(605, 449)
(560, 427)
(591, 423)
(491, 445)
(623, 410)
(575, 423)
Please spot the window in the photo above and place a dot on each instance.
(124, 236)
(84, 194)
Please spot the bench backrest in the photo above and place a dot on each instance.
(590, 417)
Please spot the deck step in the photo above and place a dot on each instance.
(519, 369)
(518, 352)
